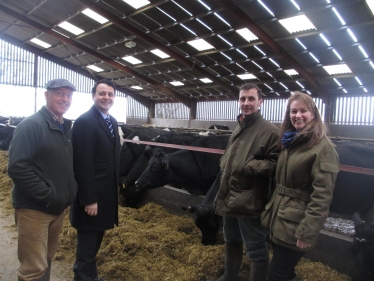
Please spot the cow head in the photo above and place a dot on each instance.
(207, 221)
(154, 175)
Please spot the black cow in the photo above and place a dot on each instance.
(363, 250)
(6, 136)
(219, 127)
(353, 192)
(195, 171)
(130, 193)
(205, 218)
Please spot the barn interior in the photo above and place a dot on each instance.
(180, 63)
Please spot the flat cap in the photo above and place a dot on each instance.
(59, 83)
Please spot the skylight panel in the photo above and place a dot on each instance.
(371, 5)
(71, 28)
(206, 80)
(247, 76)
(337, 82)
(247, 34)
(265, 7)
(352, 35)
(338, 16)
(137, 87)
(160, 54)
(200, 45)
(204, 24)
(365, 90)
(241, 53)
(325, 39)
(291, 72)
(137, 3)
(298, 23)
(185, 27)
(372, 64)
(301, 44)
(337, 54)
(218, 16)
(205, 5)
(358, 80)
(295, 4)
(337, 69)
(166, 14)
(176, 83)
(284, 86)
(40, 43)
(313, 56)
(95, 68)
(363, 51)
(132, 60)
(95, 16)
(258, 49)
(345, 91)
(274, 62)
(309, 93)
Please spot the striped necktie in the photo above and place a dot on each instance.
(109, 123)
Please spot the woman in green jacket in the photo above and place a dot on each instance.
(305, 177)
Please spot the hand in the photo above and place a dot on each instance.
(91, 210)
(302, 245)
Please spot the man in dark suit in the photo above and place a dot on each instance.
(96, 146)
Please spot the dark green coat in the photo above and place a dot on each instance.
(248, 166)
(41, 164)
(305, 181)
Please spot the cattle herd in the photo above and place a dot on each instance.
(145, 167)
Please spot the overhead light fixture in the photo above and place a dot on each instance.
(71, 28)
(136, 87)
(337, 69)
(206, 80)
(40, 43)
(95, 16)
(200, 45)
(130, 44)
(176, 83)
(246, 76)
(137, 3)
(160, 54)
(132, 60)
(291, 72)
(247, 34)
(298, 23)
(95, 68)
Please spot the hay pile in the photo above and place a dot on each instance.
(152, 245)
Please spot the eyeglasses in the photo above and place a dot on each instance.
(62, 94)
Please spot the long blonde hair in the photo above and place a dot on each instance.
(316, 126)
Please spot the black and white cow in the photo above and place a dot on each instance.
(363, 250)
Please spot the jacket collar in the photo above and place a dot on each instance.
(51, 121)
(248, 120)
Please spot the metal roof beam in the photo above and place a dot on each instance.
(140, 34)
(77, 45)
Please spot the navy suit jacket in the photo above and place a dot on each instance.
(96, 168)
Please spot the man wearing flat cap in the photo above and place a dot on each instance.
(41, 167)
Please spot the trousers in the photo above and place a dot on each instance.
(247, 231)
(283, 263)
(38, 235)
